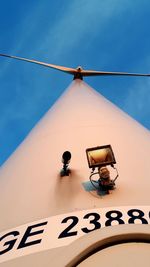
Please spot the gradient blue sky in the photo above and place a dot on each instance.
(111, 35)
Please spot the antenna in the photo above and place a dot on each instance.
(79, 72)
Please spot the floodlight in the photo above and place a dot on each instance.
(100, 156)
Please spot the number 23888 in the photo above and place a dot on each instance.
(93, 221)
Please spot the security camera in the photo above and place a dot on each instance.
(66, 157)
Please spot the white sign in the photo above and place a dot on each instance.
(63, 229)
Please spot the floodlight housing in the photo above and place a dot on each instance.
(100, 156)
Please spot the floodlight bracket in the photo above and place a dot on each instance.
(99, 185)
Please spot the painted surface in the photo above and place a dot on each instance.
(130, 254)
(30, 182)
(62, 230)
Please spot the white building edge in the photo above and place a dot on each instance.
(37, 205)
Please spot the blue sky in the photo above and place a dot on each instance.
(111, 35)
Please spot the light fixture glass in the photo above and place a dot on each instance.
(100, 156)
